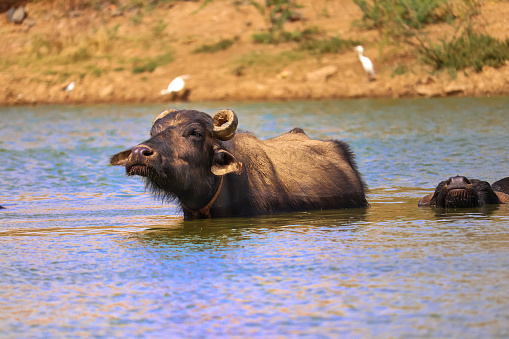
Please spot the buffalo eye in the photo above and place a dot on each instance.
(195, 135)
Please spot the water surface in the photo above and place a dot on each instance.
(86, 252)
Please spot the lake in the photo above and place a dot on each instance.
(86, 252)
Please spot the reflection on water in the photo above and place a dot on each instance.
(86, 252)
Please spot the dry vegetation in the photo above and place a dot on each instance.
(132, 56)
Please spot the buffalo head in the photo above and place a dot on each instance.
(460, 192)
(184, 157)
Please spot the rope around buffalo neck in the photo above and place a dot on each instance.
(205, 210)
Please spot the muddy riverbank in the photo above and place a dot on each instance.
(244, 72)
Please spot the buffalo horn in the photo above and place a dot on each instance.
(225, 124)
(163, 114)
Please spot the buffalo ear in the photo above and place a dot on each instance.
(503, 197)
(501, 186)
(425, 201)
(120, 159)
(224, 162)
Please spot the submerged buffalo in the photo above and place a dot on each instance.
(199, 162)
(461, 192)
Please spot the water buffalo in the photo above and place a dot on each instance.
(461, 192)
(199, 162)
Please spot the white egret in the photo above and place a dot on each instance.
(366, 63)
(176, 85)
(69, 87)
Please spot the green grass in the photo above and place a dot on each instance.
(405, 21)
(471, 49)
(141, 65)
(43, 45)
(61, 49)
(221, 45)
(80, 54)
(97, 72)
(416, 14)
(283, 36)
(262, 62)
(399, 70)
(158, 29)
(50, 72)
(264, 38)
(328, 45)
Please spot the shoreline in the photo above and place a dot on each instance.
(490, 82)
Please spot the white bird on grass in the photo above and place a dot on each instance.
(366, 63)
(176, 85)
(69, 87)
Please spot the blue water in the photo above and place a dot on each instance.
(85, 251)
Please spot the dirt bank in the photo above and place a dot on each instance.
(245, 71)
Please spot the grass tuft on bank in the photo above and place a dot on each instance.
(470, 49)
(221, 45)
(393, 15)
(335, 44)
(255, 62)
(141, 65)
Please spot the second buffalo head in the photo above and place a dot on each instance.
(461, 192)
